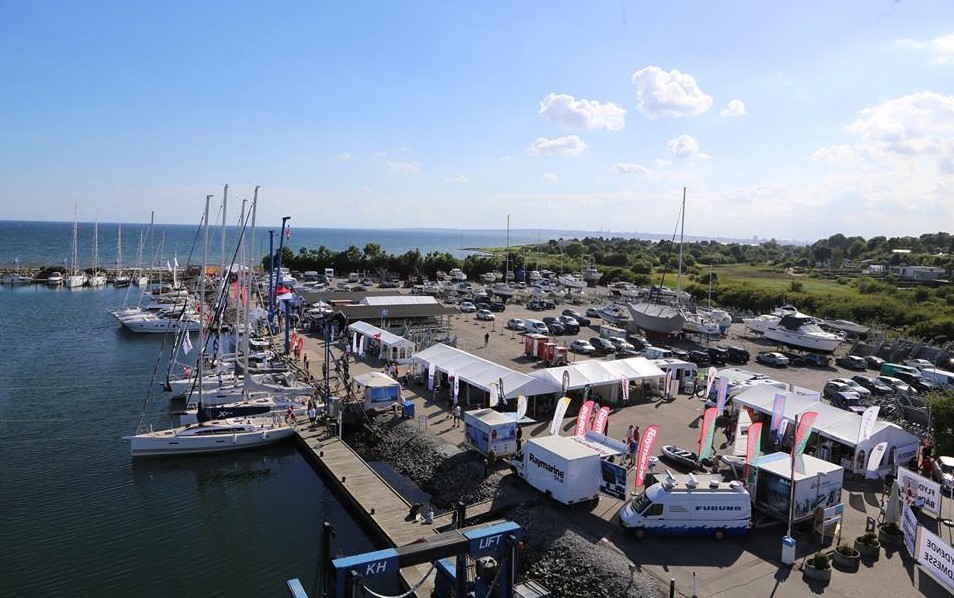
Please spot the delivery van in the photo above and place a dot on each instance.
(657, 353)
(942, 378)
(717, 508)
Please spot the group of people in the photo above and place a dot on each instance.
(632, 444)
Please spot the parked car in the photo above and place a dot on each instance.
(540, 304)
(919, 363)
(737, 355)
(944, 473)
(602, 345)
(679, 354)
(873, 362)
(816, 360)
(772, 358)
(852, 362)
(535, 326)
(852, 386)
(620, 344)
(592, 313)
(570, 324)
(626, 353)
(497, 306)
(515, 324)
(919, 384)
(718, 355)
(847, 400)
(581, 320)
(700, 358)
(877, 387)
(900, 386)
(638, 342)
(486, 315)
(581, 346)
(556, 327)
(466, 307)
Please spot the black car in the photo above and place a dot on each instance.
(816, 359)
(580, 318)
(627, 353)
(540, 304)
(916, 382)
(679, 354)
(874, 362)
(497, 306)
(718, 355)
(737, 355)
(638, 342)
(700, 358)
(602, 345)
(851, 362)
(570, 324)
(877, 387)
(555, 326)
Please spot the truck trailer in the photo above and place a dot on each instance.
(560, 467)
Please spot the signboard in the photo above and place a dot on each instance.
(936, 557)
(613, 480)
(904, 454)
(914, 487)
(909, 527)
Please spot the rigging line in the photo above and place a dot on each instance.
(370, 592)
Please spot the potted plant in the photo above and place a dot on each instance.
(846, 558)
(889, 534)
(818, 567)
(868, 546)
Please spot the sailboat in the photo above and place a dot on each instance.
(17, 278)
(657, 315)
(120, 280)
(215, 435)
(98, 279)
(77, 277)
(505, 289)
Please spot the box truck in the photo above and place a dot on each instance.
(487, 429)
(689, 506)
(560, 467)
(818, 483)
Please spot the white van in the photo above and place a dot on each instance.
(657, 353)
(535, 326)
(942, 378)
(683, 371)
(669, 507)
(608, 331)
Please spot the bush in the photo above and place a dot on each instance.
(820, 560)
(846, 550)
(871, 539)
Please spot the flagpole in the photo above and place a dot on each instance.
(791, 482)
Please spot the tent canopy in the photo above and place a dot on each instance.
(596, 373)
(481, 373)
(386, 338)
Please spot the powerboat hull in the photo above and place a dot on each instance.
(657, 318)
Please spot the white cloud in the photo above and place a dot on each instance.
(734, 108)
(571, 145)
(913, 128)
(409, 167)
(943, 48)
(551, 178)
(456, 179)
(628, 168)
(570, 113)
(668, 93)
(685, 146)
(344, 157)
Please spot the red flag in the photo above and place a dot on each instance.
(707, 433)
(288, 232)
(583, 418)
(377, 336)
(645, 449)
(599, 422)
(752, 448)
(805, 425)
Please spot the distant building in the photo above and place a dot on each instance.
(918, 273)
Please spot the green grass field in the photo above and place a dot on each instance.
(759, 278)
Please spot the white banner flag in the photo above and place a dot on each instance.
(558, 414)
(521, 407)
(431, 370)
(874, 459)
(868, 419)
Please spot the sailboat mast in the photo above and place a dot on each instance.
(202, 327)
(682, 230)
(247, 292)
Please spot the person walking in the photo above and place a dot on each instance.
(486, 338)
(456, 413)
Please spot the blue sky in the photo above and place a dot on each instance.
(787, 120)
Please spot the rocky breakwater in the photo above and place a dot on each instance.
(558, 554)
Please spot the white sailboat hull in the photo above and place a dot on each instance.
(210, 437)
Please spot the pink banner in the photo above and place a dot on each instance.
(583, 419)
(805, 425)
(599, 422)
(753, 446)
(707, 432)
(645, 450)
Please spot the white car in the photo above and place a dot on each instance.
(944, 473)
(485, 314)
(535, 326)
(515, 324)
(919, 363)
(581, 346)
(466, 307)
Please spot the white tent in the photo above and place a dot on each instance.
(598, 373)
(481, 373)
(834, 424)
(393, 347)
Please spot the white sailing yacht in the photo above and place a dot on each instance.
(98, 279)
(216, 435)
(120, 280)
(77, 277)
(17, 278)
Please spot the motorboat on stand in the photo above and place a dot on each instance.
(801, 331)
(759, 324)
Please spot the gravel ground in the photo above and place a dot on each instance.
(560, 558)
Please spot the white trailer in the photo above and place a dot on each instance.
(560, 467)
(818, 483)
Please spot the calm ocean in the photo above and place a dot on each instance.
(81, 518)
(38, 244)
